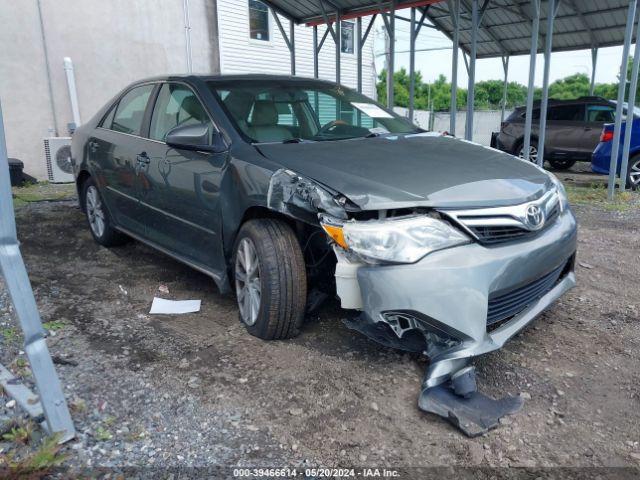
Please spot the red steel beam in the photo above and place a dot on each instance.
(372, 11)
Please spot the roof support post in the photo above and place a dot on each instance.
(615, 147)
(338, 40)
(475, 23)
(359, 47)
(187, 35)
(288, 40)
(412, 63)
(315, 52)
(454, 12)
(594, 61)
(391, 32)
(535, 29)
(335, 34)
(292, 41)
(361, 41)
(12, 269)
(631, 101)
(413, 35)
(505, 68)
(548, 43)
(359, 69)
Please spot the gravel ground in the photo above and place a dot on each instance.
(196, 390)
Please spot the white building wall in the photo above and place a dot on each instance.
(484, 123)
(241, 54)
(111, 43)
(115, 42)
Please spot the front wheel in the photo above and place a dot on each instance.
(270, 279)
(633, 173)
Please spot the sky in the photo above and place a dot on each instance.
(433, 63)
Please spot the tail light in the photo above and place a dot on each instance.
(606, 135)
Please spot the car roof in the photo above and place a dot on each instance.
(555, 102)
(237, 77)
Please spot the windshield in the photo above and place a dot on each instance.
(282, 111)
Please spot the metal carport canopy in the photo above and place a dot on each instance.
(312, 11)
(505, 24)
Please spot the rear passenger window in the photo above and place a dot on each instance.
(566, 113)
(130, 110)
(176, 105)
(600, 114)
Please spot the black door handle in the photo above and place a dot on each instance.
(143, 158)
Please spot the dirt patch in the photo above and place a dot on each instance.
(197, 390)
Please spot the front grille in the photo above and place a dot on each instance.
(504, 224)
(498, 234)
(506, 305)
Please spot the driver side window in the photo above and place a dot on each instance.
(176, 105)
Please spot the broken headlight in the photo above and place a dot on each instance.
(401, 240)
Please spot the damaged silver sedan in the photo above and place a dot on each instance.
(288, 190)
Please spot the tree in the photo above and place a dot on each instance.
(488, 93)
(629, 71)
(573, 86)
(400, 87)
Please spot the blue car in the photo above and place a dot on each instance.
(601, 157)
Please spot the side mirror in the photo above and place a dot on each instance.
(196, 137)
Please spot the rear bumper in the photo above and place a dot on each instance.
(448, 291)
(505, 142)
(601, 158)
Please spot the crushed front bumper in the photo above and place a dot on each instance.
(448, 292)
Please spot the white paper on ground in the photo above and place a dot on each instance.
(371, 109)
(163, 306)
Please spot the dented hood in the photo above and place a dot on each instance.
(413, 170)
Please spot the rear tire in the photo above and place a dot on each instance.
(562, 164)
(270, 279)
(633, 173)
(98, 219)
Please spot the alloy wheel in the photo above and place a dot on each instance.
(533, 153)
(634, 174)
(247, 273)
(95, 212)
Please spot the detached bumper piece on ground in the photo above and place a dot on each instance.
(459, 402)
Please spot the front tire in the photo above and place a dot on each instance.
(100, 224)
(270, 279)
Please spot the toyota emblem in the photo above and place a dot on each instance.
(534, 217)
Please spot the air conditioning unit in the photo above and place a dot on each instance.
(57, 151)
